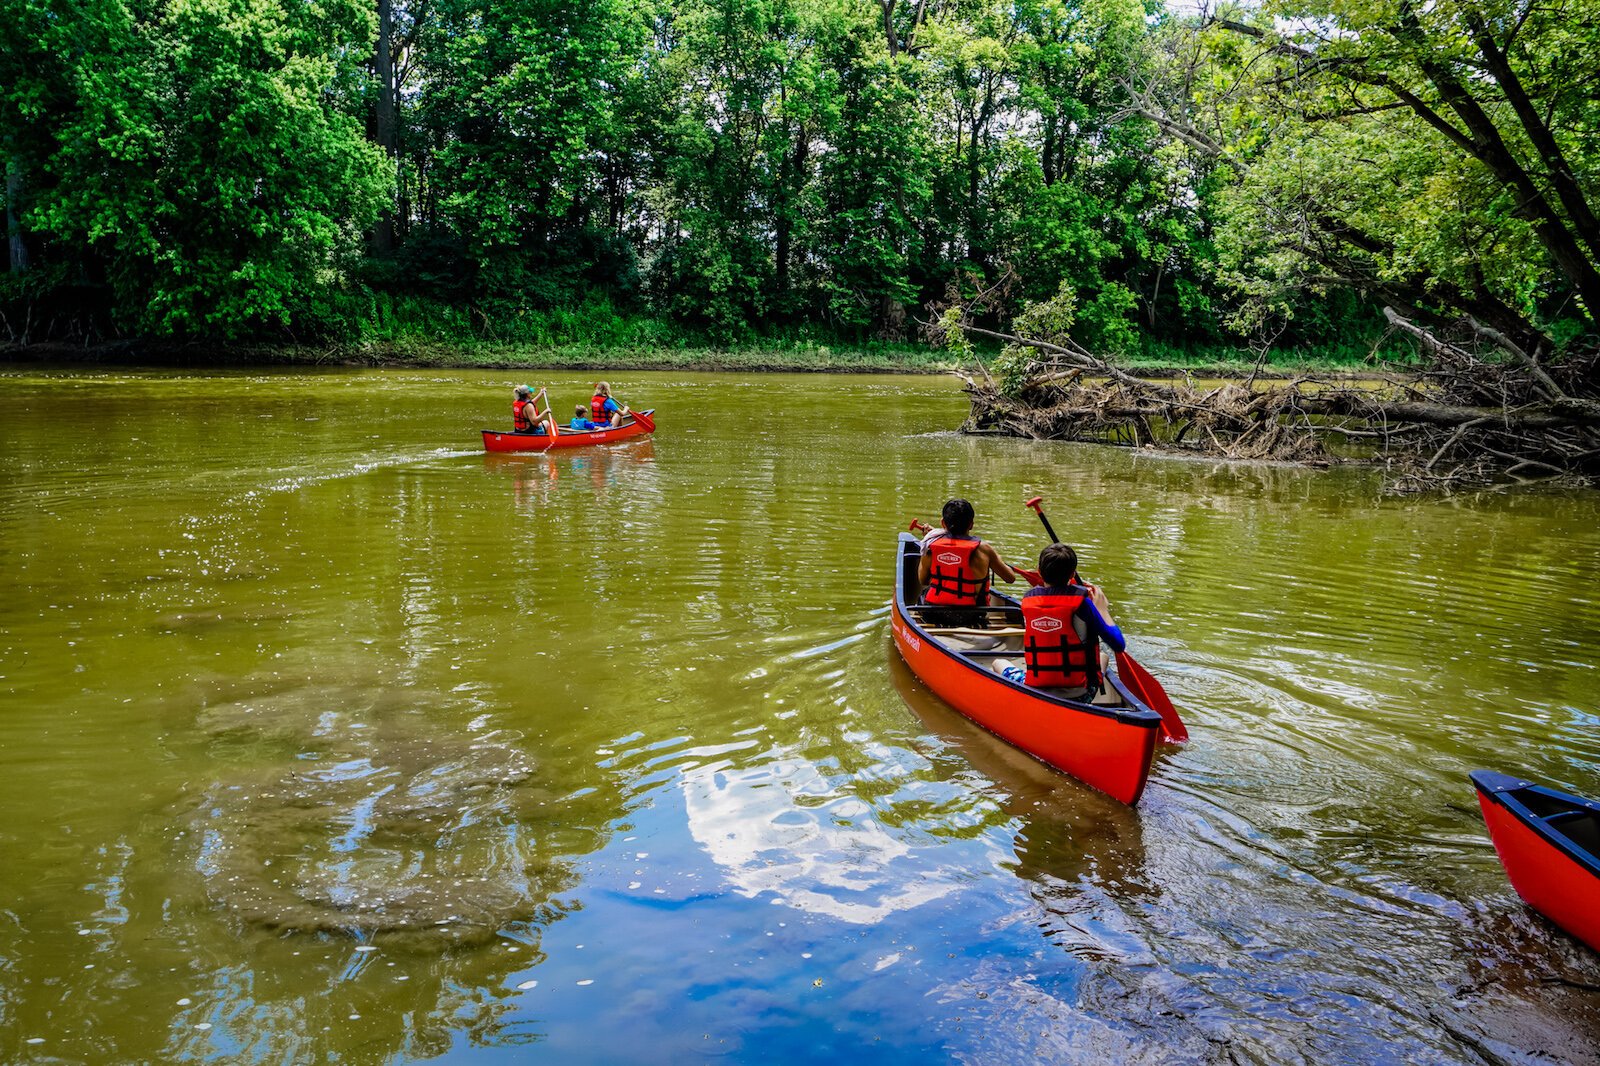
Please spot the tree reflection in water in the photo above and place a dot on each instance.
(350, 826)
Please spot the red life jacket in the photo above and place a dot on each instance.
(952, 578)
(597, 408)
(1053, 654)
(519, 415)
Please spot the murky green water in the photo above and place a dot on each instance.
(325, 737)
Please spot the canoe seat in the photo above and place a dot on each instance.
(1108, 696)
(974, 643)
(1580, 827)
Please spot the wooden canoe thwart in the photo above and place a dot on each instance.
(1107, 746)
(1549, 843)
(498, 441)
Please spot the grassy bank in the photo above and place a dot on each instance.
(490, 355)
(751, 358)
(754, 357)
(414, 332)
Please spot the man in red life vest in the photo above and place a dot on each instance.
(956, 566)
(526, 416)
(1063, 623)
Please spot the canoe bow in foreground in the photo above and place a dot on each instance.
(1549, 843)
(499, 441)
(1107, 747)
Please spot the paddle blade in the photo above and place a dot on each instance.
(1144, 685)
(1032, 576)
(644, 419)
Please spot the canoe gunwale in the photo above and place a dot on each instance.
(1501, 789)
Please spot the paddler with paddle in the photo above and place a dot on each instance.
(526, 416)
(1064, 622)
(955, 568)
(603, 409)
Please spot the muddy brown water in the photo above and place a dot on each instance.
(326, 737)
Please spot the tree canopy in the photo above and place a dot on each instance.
(1278, 172)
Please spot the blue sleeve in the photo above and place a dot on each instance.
(1107, 632)
(611, 405)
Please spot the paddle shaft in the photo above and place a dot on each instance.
(1034, 503)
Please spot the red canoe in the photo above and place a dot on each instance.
(1109, 747)
(498, 441)
(1549, 843)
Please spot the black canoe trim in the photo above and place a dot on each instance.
(1509, 792)
(1135, 713)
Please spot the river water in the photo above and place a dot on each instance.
(326, 737)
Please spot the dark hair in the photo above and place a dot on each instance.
(579, 409)
(958, 516)
(1057, 565)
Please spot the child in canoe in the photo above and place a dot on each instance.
(1064, 623)
(581, 423)
(956, 566)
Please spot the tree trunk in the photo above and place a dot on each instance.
(1484, 142)
(791, 179)
(384, 115)
(1555, 161)
(403, 214)
(1047, 154)
(16, 245)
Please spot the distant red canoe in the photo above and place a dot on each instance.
(1549, 843)
(1108, 747)
(498, 441)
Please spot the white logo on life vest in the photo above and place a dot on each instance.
(1045, 625)
(949, 558)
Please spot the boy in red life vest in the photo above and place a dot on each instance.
(956, 566)
(526, 416)
(603, 409)
(1063, 623)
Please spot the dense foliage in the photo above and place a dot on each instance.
(231, 168)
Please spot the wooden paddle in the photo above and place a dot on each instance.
(550, 437)
(1136, 677)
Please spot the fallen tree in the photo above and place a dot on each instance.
(1479, 410)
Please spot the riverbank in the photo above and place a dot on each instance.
(798, 357)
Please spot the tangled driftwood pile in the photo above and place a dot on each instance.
(1480, 409)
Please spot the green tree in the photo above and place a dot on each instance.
(206, 161)
(1440, 158)
(518, 97)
